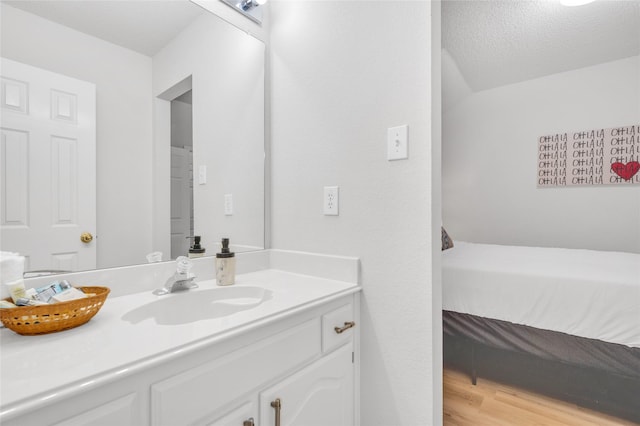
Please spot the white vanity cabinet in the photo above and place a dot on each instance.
(207, 393)
(319, 395)
(322, 393)
(315, 384)
(298, 357)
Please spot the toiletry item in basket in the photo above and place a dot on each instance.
(225, 265)
(25, 301)
(16, 289)
(44, 294)
(11, 274)
(69, 294)
(6, 305)
(196, 250)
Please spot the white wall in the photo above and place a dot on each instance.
(227, 69)
(436, 208)
(341, 73)
(489, 177)
(123, 85)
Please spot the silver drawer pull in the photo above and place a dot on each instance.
(347, 325)
(249, 422)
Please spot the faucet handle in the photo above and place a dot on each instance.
(184, 265)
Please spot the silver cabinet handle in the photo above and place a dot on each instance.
(277, 405)
(249, 422)
(347, 325)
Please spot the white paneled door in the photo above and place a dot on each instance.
(48, 160)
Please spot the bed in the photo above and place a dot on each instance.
(566, 319)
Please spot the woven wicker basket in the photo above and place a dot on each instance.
(43, 319)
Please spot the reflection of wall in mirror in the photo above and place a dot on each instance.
(124, 133)
(227, 67)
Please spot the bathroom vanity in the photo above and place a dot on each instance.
(278, 348)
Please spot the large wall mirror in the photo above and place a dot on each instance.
(127, 127)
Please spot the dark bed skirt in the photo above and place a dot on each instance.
(595, 374)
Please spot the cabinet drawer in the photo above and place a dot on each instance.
(340, 318)
(195, 394)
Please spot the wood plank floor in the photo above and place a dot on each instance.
(493, 404)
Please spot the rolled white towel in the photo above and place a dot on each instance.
(11, 267)
(11, 274)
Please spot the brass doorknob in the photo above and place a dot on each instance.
(86, 237)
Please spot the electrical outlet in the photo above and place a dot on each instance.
(228, 204)
(331, 200)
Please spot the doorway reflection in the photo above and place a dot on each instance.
(181, 174)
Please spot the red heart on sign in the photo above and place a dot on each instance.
(626, 171)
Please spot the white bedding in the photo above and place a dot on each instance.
(586, 293)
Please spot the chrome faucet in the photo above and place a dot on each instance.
(182, 279)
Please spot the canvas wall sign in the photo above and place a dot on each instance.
(590, 157)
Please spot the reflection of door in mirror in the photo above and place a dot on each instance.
(181, 174)
(48, 142)
(133, 51)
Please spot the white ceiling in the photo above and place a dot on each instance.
(490, 42)
(498, 42)
(141, 25)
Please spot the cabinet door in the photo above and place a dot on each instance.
(118, 412)
(244, 414)
(198, 393)
(90, 409)
(319, 395)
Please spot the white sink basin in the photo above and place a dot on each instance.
(198, 305)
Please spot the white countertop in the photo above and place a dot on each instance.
(35, 369)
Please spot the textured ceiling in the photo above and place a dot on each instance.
(498, 42)
(492, 42)
(141, 25)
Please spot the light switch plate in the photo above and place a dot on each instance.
(228, 204)
(397, 143)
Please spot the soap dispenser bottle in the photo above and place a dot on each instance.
(196, 250)
(225, 265)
